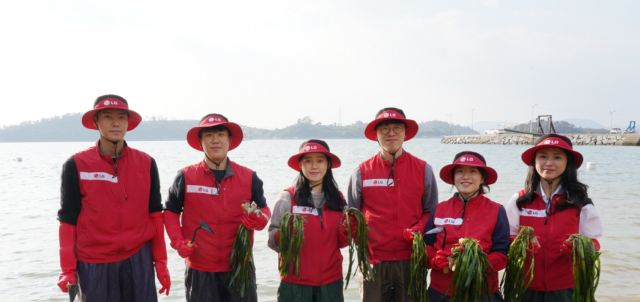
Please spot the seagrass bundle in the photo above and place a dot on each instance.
(290, 241)
(419, 268)
(469, 264)
(515, 279)
(240, 264)
(586, 268)
(359, 246)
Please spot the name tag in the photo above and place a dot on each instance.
(202, 190)
(533, 213)
(305, 210)
(383, 182)
(98, 176)
(443, 221)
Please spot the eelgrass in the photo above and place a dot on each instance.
(419, 270)
(470, 272)
(515, 280)
(586, 268)
(240, 262)
(359, 246)
(290, 241)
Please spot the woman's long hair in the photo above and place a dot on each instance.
(302, 191)
(575, 192)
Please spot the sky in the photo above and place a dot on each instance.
(268, 63)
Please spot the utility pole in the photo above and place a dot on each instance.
(611, 119)
(472, 118)
(340, 117)
(531, 121)
(449, 124)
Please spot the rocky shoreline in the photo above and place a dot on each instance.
(528, 139)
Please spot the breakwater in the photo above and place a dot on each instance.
(528, 139)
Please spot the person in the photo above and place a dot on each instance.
(395, 191)
(468, 214)
(213, 191)
(555, 204)
(316, 197)
(111, 230)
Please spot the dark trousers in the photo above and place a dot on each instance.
(332, 292)
(436, 296)
(563, 295)
(130, 280)
(213, 287)
(391, 284)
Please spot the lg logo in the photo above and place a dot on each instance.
(463, 159)
(307, 148)
(551, 142)
(108, 102)
(214, 119)
(389, 114)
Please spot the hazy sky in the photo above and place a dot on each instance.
(268, 63)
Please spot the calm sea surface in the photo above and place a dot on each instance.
(29, 199)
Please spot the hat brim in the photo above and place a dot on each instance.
(529, 154)
(445, 173)
(294, 163)
(411, 131)
(234, 129)
(134, 119)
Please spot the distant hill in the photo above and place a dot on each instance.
(585, 123)
(560, 126)
(483, 126)
(67, 128)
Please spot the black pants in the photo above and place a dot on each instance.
(130, 280)
(332, 292)
(212, 287)
(436, 296)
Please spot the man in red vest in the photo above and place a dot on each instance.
(111, 229)
(213, 191)
(395, 191)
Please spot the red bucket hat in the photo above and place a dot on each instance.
(552, 140)
(313, 146)
(111, 101)
(391, 114)
(472, 159)
(212, 120)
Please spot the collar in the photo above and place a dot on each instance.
(228, 170)
(388, 161)
(540, 192)
(108, 157)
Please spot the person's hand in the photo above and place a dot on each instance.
(353, 225)
(66, 278)
(534, 246)
(441, 260)
(183, 248)
(254, 222)
(408, 233)
(566, 248)
(163, 276)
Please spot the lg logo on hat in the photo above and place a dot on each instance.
(307, 148)
(386, 114)
(216, 119)
(463, 159)
(552, 142)
(107, 103)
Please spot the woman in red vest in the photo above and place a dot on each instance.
(555, 203)
(467, 214)
(316, 197)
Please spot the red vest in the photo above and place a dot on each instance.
(553, 270)
(114, 221)
(389, 210)
(480, 217)
(221, 210)
(320, 257)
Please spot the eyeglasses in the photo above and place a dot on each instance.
(396, 129)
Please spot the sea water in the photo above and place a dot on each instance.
(30, 194)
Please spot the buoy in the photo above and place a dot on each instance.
(19, 159)
(591, 165)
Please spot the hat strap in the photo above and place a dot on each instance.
(115, 152)
(215, 163)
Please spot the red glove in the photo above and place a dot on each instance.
(408, 233)
(172, 224)
(255, 222)
(440, 261)
(566, 248)
(353, 224)
(67, 233)
(159, 251)
(181, 245)
(533, 247)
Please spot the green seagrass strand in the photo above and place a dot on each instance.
(515, 280)
(290, 241)
(359, 246)
(586, 268)
(240, 263)
(469, 282)
(419, 269)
